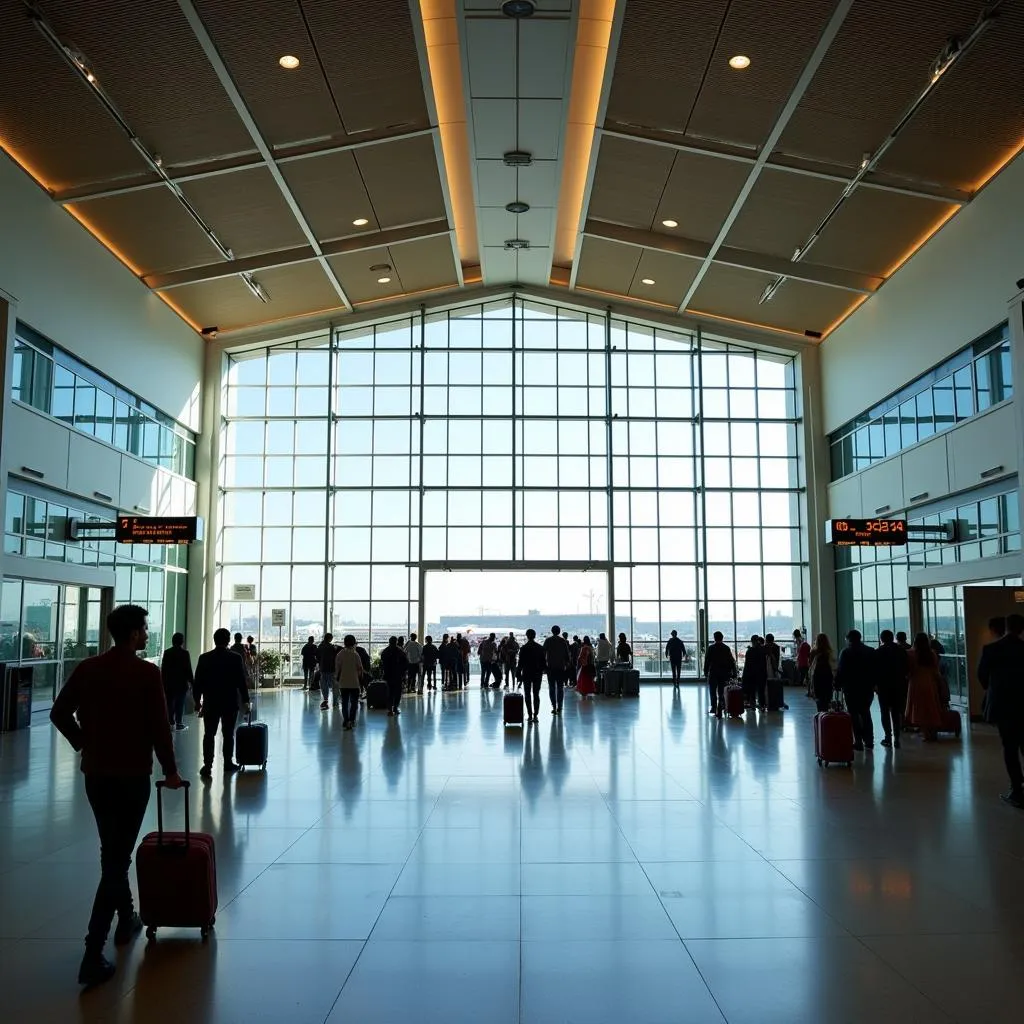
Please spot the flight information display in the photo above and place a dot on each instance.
(158, 529)
(866, 533)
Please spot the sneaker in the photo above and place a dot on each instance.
(554, 711)
(886, 742)
(230, 766)
(180, 727)
(205, 772)
(323, 705)
(95, 970)
(398, 711)
(391, 714)
(127, 928)
(1015, 798)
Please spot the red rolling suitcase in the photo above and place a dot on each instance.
(951, 722)
(513, 708)
(833, 738)
(734, 701)
(177, 875)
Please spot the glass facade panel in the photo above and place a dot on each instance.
(546, 436)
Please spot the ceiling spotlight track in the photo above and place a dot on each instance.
(952, 51)
(77, 62)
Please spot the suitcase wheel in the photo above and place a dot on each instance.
(151, 934)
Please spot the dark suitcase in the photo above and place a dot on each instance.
(776, 696)
(613, 682)
(251, 744)
(177, 876)
(951, 722)
(630, 682)
(833, 738)
(734, 701)
(512, 708)
(378, 695)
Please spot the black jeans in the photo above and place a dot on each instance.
(349, 704)
(716, 693)
(395, 693)
(1012, 735)
(414, 677)
(175, 706)
(556, 687)
(531, 692)
(860, 712)
(308, 677)
(892, 705)
(119, 805)
(677, 669)
(226, 719)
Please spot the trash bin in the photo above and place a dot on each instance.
(17, 705)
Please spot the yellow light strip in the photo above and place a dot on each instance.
(747, 323)
(593, 32)
(998, 167)
(857, 303)
(921, 241)
(441, 32)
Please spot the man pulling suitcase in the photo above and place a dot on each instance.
(221, 685)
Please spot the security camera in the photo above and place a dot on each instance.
(210, 332)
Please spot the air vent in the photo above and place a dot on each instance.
(517, 207)
(517, 158)
(378, 267)
(517, 8)
(516, 243)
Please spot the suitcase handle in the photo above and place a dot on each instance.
(160, 787)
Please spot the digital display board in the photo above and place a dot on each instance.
(866, 533)
(158, 529)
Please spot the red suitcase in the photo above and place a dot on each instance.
(951, 722)
(177, 875)
(734, 701)
(513, 708)
(833, 738)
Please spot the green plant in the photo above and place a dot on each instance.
(269, 663)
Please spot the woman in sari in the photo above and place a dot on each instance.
(923, 708)
(586, 679)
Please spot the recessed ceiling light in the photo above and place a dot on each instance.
(383, 280)
(739, 62)
(647, 280)
(288, 62)
(670, 223)
(360, 222)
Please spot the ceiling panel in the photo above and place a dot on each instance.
(330, 192)
(533, 266)
(878, 63)
(368, 52)
(672, 276)
(49, 118)
(246, 210)
(797, 306)
(402, 181)
(781, 212)
(425, 263)
(497, 225)
(607, 266)
(661, 61)
(227, 303)
(498, 184)
(540, 128)
(491, 56)
(543, 48)
(150, 63)
(361, 283)
(629, 181)
(251, 35)
(152, 229)
(874, 229)
(699, 194)
(494, 127)
(741, 107)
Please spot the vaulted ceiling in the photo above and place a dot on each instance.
(420, 147)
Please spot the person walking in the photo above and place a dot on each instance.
(394, 667)
(309, 663)
(532, 663)
(802, 651)
(220, 686)
(326, 654)
(112, 710)
(855, 676)
(755, 674)
(675, 651)
(176, 674)
(1001, 673)
(240, 648)
(487, 651)
(464, 653)
(557, 660)
(719, 668)
(414, 652)
(923, 708)
(822, 671)
(891, 671)
(431, 656)
(348, 671)
(586, 677)
(509, 658)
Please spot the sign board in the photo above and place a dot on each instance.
(158, 529)
(867, 533)
(244, 592)
(277, 616)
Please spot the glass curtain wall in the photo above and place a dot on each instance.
(512, 432)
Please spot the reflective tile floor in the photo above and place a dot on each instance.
(634, 861)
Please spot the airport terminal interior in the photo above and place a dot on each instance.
(644, 319)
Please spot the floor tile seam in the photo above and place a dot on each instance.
(351, 971)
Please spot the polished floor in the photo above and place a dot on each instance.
(632, 861)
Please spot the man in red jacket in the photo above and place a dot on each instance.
(112, 709)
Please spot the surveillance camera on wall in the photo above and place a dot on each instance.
(210, 332)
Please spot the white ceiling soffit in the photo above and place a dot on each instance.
(517, 97)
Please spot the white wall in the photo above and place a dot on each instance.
(953, 290)
(69, 288)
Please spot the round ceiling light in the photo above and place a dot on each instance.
(647, 280)
(383, 280)
(670, 223)
(360, 222)
(517, 207)
(739, 62)
(517, 8)
(288, 62)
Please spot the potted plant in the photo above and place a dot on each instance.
(269, 664)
